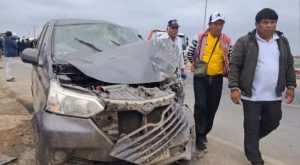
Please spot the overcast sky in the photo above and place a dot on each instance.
(21, 16)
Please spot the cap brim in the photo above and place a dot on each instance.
(174, 26)
(217, 20)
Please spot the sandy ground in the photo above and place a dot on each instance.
(16, 139)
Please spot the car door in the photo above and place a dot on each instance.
(39, 75)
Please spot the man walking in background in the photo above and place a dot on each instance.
(261, 68)
(211, 47)
(10, 51)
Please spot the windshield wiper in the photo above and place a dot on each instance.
(88, 44)
(115, 42)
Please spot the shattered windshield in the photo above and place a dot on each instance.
(78, 40)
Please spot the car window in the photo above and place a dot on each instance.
(42, 44)
(41, 37)
(85, 39)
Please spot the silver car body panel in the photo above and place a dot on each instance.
(137, 63)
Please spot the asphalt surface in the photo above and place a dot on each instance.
(280, 147)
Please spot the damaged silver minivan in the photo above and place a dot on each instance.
(102, 94)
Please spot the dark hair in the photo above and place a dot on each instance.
(8, 33)
(266, 13)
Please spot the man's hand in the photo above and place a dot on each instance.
(235, 96)
(289, 95)
(183, 75)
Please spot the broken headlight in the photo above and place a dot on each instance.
(67, 102)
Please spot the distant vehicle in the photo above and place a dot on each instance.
(103, 94)
(154, 34)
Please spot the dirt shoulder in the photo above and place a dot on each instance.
(16, 138)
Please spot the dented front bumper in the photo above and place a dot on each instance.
(172, 137)
(163, 142)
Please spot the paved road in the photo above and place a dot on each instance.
(226, 139)
(280, 147)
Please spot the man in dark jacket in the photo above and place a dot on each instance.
(261, 68)
(10, 51)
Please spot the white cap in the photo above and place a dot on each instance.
(215, 16)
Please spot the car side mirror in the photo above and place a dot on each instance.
(30, 55)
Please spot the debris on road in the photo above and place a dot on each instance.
(6, 159)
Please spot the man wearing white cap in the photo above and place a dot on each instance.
(211, 48)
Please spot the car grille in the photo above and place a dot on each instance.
(144, 144)
(108, 122)
(115, 124)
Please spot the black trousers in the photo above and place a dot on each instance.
(207, 91)
(260, 118)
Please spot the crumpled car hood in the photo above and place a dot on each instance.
(137, 63)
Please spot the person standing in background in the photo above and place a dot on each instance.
(172, 31)
(10, 51)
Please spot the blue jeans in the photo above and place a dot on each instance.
(208, 91)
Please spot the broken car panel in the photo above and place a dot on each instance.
(102, 94)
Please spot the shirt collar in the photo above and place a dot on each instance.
(275, 37)
(168, 37)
